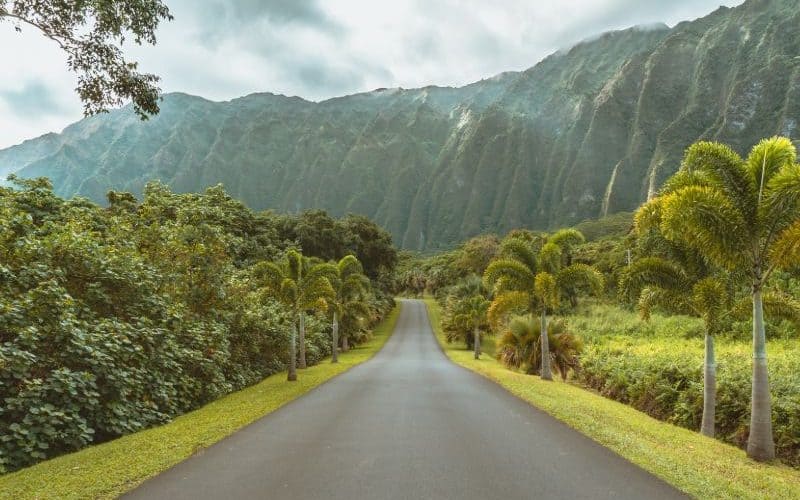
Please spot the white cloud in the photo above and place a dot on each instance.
(222, 49)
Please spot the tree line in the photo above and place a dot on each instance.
(117, 318)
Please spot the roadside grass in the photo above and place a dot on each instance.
(699, 466)
(113, 468)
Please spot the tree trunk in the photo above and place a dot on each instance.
(476, 338)
(335, 343)
(760, 443)
(345, 345)
(293, 356)
(302, 341)
(709, 389)
(546, 373)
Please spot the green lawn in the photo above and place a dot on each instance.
(110, 469)
(699, 466)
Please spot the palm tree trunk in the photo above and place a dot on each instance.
(335, 343)
(302, 341)
(476, 338)
(293, 356)
(760, 443)
(345, 344)
(709, 389)
(546, 373)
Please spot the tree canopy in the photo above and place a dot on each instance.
(92, 35)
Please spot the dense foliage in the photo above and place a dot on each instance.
(657, 367)
(669, 296)
(116, 319)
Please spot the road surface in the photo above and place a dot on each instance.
(407, 424)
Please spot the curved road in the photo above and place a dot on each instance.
(407, 424)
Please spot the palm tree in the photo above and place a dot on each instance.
(300, 284)
(470, 315)
(534, 282)
(741, 215)
(518, 347)
(349, 303)
(661, 282)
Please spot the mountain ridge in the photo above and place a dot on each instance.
(585, 132)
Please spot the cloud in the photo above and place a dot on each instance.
(222, 49)
(34, 98)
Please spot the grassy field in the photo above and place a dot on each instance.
(110, 469)
(699, 466)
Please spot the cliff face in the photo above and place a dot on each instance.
(583, 133)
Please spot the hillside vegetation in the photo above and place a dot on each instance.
(585, 132)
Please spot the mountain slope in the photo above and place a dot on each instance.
(585, 132)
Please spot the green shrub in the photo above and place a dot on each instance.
(658, 370)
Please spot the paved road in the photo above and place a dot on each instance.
(408, 424)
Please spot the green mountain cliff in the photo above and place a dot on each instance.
(586, 132)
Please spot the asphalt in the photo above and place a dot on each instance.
(407, 424)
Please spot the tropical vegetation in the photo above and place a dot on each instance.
(118, 318)
(676, 287)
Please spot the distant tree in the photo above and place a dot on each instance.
(465, 312)
(371, 244)
(319, 235)
(349, 303)
(92, 33)
(523, 279)
(743, 215)
(300, 285)
(473, 316)
(476, 254)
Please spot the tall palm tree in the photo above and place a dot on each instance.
(351, 287)
(300, 284)
(523, 279)
(740, 214)
(661, 282)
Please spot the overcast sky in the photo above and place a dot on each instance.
(221, 49)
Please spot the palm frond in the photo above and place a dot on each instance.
(726, 170)
(652, 272)
(653, 296)
(777, 305)
(780, 206)
(567, 238)
(580, 276)
(550, 257)
(705, 219)
(515, 275)
(505, 304)
(520, 251)
(268, 275)
(349, 265)
(785, 251)
(648, 216)
(768, 157)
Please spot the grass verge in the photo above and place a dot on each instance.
(110, 469)
(697, 465)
